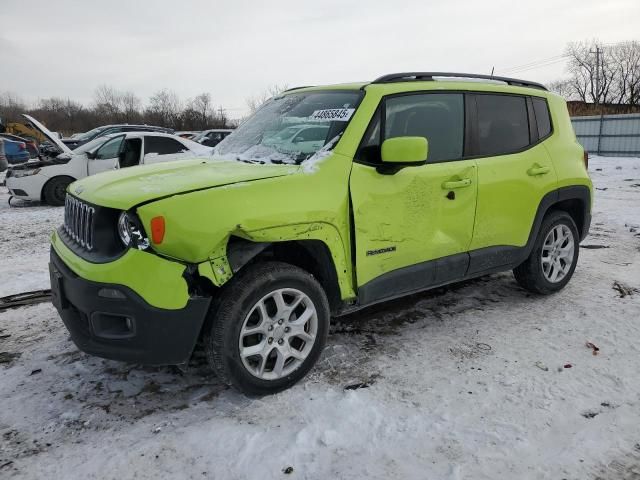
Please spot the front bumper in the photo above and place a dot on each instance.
(112, 321)
(26, 188)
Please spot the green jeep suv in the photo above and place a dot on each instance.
(327, 200)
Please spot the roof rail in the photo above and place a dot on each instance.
(296, 88)
(429, 76)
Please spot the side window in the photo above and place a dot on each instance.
(502, 124)
(162, 145)
(369, 151)
(439, 117)
(110, 149)
(543, 118)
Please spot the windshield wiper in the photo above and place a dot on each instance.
(247, 160)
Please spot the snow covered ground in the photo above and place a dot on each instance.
(467, 382)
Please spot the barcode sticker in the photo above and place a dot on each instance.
(333, 114)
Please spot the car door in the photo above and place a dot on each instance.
(163, 149)
(106, 157)
(514, 173)
(413, 227)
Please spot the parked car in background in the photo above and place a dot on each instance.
(32, 147)
(47, 180)
(212, 137)
(108, 130)
(187, 134)
(15, 152)
(3, 159)
(299, 138)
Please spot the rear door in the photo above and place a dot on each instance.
(106, 157)
(413, 228)
(514, 173)
(163, 149)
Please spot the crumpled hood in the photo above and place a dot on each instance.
(128, 187)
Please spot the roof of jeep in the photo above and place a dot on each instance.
(449, 81)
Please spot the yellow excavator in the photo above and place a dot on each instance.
(26, 131)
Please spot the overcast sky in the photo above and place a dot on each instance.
(237, 48)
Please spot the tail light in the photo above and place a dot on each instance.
(585, 158)
(22, 146)
(157, 230)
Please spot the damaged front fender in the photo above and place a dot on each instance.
(227, 260)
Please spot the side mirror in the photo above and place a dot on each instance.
(92, 155)
(405, 151)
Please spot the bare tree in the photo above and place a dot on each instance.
(626, 56)
(164, 108)
(593, 71)
(256, 101)
(11, 106)
(202, 106)
(108, 103)
(111, 105)
(131, 106)
(564, 88)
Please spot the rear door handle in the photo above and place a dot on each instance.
(538, 170)
(456, 184)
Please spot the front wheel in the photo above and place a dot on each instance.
(553, 259)
(55, 190)
(267, 329)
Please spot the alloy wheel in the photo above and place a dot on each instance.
(278, 334)
(557, 253)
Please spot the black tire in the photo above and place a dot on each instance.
(233, 304)
(55, 190)
(530, 273)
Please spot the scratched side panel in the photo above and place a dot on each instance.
(406, 218)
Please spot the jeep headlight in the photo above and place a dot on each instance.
(131, 233)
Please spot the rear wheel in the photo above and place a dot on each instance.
(55, 190)
(268, 328)
(553, 259)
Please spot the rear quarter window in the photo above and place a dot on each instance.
(543, 117)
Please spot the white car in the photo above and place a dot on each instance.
(212, 137)
(299, 138)
(48, 180)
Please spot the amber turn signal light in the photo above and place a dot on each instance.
(157, 230)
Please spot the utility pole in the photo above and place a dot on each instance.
(597, 95)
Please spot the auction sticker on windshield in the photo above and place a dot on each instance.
(333, 114)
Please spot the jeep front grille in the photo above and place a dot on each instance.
(78, 221)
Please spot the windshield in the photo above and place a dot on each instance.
(90, 146)
(90, 133)
(199, 136)
(291, 128)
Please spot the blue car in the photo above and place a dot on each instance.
(15, 152)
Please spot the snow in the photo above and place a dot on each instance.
(465, 382)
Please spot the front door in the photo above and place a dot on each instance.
(413, 228)
(106, 157)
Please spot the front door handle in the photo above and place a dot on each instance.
(465, 182)
(538, 170)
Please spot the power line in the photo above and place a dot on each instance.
(536, 64)
(533, 62)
